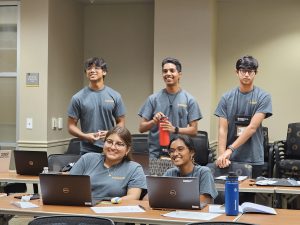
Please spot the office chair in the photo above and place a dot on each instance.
(70, 220)
(74, 146)
(219, 223)
(287, 153)
(61, 162)
(269, 156)
(204, 154)
(140, 152)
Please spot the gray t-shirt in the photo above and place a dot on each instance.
(109, 182)
(96, 110)
(206, 180)
(180, 108)
(235, 103)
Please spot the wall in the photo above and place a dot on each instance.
(185, 30)
(123, 35)
(270, 31)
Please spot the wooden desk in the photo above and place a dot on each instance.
(283, 217)
(149, 217)
(249, 186)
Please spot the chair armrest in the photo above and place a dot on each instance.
(279, 150)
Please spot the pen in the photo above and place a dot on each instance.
(142, 207)
(237, 218)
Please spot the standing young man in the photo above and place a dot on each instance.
(97, 106)
(241, 112)
(178, 105)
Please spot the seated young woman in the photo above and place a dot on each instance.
(182, 151)
(113, 173)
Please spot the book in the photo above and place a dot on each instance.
(246, 207)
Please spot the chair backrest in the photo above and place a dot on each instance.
(56, 162)
(140, 143)
(293, 141)
(241, 169)
(266, 143)
(202, 148)
(219, 223)
(74, 146)
(159, 166)
(71, 220)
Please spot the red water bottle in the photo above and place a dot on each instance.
(164, 136)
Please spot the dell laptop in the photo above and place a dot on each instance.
(30, 162)
(173, 192)
(59, 189)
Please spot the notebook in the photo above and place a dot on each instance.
(58, 189)
(5, 156)
(173, 192)
(30, 162)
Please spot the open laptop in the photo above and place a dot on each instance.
(30, 162)
(58, 189)
(173, 192)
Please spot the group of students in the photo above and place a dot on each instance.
(101, 113)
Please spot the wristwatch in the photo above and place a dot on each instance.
(176, 130)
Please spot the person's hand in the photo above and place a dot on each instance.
(92, 137)
(156, 118)
(223, 160)
(167, 126)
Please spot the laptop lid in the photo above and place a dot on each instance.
(30, 162)
(173, 192)
(5, 156)
(58, 189)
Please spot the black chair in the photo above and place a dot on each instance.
(70, 220)
(220, 223)
(287, 153)
(140, 152)
(204, 154)
(74, 146)
(269, 156)
(61, 162)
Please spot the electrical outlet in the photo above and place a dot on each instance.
(29, 123)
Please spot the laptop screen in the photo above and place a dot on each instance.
(58, 189)
(30, 162)
(173, 192)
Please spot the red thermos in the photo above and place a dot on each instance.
(164, 136)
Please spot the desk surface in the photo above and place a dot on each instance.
(12, 176)
(148, 217)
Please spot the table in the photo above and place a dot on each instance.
(12, 176)
(149, 217)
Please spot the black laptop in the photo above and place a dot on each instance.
(173, 192)
(59, 189)
(30, 162)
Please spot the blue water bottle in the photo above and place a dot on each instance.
(232, 195)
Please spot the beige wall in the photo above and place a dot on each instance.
(270, 31)
(123, 35)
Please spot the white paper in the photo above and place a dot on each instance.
(265, 182)
(192, 215)
(224, 178)
(117, 209)
(252, 207)
(25, 205)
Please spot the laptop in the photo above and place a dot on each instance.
(173, 192)
(30, 162)
(59, 189)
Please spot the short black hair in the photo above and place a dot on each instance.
(187, 140)
(98, 62)
(173, 61)
(247, 62)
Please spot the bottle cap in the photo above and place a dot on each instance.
(232, 176)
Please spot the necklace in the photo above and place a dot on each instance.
(171, 100)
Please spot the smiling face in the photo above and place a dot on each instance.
(115, 149)
(180, 154)
(170, 74)
(95, 73)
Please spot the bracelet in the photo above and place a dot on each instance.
(231, 148)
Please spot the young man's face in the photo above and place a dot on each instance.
(94, 73)
(170, 74)
(246, 76)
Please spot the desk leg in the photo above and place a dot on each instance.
(287, 198)
(5, 218)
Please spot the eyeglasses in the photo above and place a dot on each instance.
(180, 149)
(245, 71)
(119, 145)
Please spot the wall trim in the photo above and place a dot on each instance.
(43, 144)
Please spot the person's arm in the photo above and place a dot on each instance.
(191, 129)
(146, 125)
(75, 131)
(120, 121)
(206, 199)
(133, 194)
(223, 160)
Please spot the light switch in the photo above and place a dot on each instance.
(60, 123)
(53, 123)
(29, 123)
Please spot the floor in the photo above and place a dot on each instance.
(20, 220)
